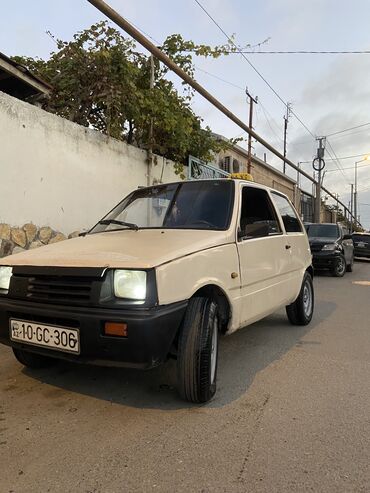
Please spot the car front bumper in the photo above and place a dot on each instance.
(151, 331)
(362, 252)
(325, 259)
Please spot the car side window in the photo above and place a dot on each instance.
(258, 217)
(288, 214)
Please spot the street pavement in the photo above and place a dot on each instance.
(292, 413)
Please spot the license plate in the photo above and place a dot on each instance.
(51, 336)
(361, 244)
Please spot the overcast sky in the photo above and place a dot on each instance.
(329, 93)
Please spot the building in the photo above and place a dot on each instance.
(17, 81)
(235, 160)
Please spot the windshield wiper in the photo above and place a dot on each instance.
(119, 223)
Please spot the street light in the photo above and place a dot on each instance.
(366, 158)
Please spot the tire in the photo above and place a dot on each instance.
(339, 268)
(350, 265)
(32, 360)
(198, 351)
(300, 312)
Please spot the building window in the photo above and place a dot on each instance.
(236, 166)
(226, 164)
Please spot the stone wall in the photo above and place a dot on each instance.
(17, 239)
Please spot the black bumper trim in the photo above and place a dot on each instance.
(325, 260)
(151, 331)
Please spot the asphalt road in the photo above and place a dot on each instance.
(292, 413)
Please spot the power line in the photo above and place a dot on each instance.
(348, 129)
(303, 52)
(253, 67)
(337, 162)
(342, 157)
(220, 79)
(266, 114)
(349, 167)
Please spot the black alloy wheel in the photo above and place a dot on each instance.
(339, 268)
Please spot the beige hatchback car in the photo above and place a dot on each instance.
(167, 271)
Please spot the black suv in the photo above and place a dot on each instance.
(331, 247)
(361, 242)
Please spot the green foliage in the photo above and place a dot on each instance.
(101, 81)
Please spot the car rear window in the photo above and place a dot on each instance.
(361, 238)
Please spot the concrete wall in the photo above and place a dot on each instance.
(59, 174)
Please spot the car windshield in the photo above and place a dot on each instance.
(363, 237)
(188, 205)
(322, 231)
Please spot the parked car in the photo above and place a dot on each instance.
(167, 271)
(331, 247)
(361, 243)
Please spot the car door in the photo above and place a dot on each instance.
(296, 242)
(263, 256)
(347, 244)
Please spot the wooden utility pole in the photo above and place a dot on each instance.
(351, 207)
(150, 138)
(286, 120)
(251, 101)
(106, 9)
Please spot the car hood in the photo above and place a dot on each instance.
(136, 249)
(321, 240)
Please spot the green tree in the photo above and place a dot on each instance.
(102, 81)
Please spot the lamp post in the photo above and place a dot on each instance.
(366, 158)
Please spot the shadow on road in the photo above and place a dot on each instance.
(242, 356)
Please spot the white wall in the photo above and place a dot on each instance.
(56, 173)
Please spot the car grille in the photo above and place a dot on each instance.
(316, 248)
(59, 289)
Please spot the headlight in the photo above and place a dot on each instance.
(330, 246)
(5, 275)
(130, 284)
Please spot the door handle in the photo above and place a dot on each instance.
(287, 247)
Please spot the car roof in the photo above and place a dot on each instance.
(237, 180)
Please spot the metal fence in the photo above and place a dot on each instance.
(199, 170)
(307, 207)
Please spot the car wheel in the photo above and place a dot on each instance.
(350, 265)
(198, 351)
(339, 267)
(300, 312)
(32, 360)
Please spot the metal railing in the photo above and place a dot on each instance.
(199, 170)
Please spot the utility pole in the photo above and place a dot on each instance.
(150, 146)
(251, 101)
(355, 196)
(337, 209)
(286, 120)
(351, 207)
(114, 16)
(319, 164)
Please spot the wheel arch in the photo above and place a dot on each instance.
(310, 270)
(220, 297)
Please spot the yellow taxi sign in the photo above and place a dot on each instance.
(241, 176)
